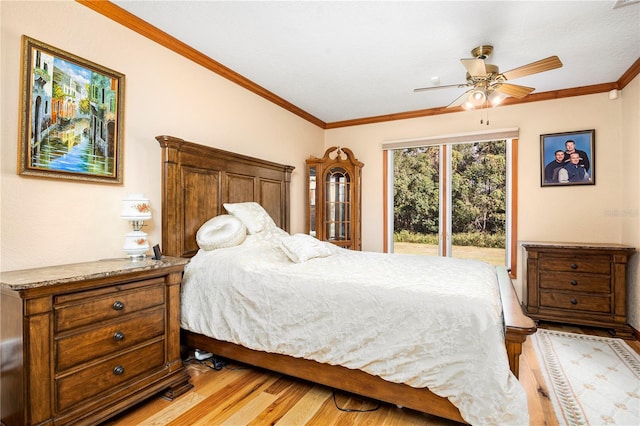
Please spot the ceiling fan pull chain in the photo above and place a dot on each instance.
(486, 110)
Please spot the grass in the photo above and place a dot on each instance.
(494, 256)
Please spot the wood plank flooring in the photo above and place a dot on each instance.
(238, 395)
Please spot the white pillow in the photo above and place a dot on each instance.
(252, 215)
(302, 247)
(221, 231)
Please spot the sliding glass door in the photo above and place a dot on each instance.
(452, 200)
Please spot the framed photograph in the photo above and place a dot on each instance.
(71, 116)
(568, 158)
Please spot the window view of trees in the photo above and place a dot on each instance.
(478, 198)
(415, 190)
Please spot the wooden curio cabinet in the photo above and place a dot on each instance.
(334, 195)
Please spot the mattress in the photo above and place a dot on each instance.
(423, 321)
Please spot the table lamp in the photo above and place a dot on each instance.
(136, 209)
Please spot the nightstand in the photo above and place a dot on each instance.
(578, 283)
(83, 342)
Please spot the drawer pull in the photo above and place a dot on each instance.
(574, 266)
(574, 302)
(118, 370)
(118, 305)
(118, 335)
(574, 282)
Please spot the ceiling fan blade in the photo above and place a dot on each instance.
(424, 89)
(475, 67)
(550, 63)
(459, 100)
(514, 90)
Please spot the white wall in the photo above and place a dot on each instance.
(590, 213)
(47, 222)
(549, 213)
(629, 212)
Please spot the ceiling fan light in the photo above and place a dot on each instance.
(496, 98)
(468, 106)
(477, 97)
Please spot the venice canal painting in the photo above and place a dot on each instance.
(73, 116)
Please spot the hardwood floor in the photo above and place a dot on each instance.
(239, 395)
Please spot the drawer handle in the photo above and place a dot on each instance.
(574, 282)
(118, 305)
(574, 302)
(118, 370)
(574, 266)
(118, 335)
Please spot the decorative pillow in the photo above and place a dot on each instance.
(221, 231)
(302, 247)
(252, 215)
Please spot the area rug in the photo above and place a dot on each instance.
(591, 380)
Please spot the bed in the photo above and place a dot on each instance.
(197, 180)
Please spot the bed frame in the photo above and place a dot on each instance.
(197, 180)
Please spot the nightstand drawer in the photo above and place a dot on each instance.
(107, 375)
(577, 302)
(591, 264)
(573, 281)
(89, 307)
(111, 337)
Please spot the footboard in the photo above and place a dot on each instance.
(517, 325)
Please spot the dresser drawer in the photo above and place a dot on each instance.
(107, 375)
(110, 337)
(591, 264)
(576, 302)
(88, 307)
(574, 281)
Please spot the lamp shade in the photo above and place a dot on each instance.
(477, 97)
(136, 207)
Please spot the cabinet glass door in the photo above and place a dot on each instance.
(337, 217)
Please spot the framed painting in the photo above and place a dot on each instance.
(568, 158)
(71, 116)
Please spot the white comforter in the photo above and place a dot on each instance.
(425, 321)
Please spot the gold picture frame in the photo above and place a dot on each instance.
(71, 116)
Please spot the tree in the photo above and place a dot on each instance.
(478, 188)
(479, 183)
(416, 190)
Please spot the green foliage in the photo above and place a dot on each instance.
(40, 73)
(475, 239)
(85, 106)
(478, 191)
(405, 236)
(416, 190)
(58, 93)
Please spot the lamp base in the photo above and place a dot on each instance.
(136, 244)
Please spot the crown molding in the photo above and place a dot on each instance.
(127, 19)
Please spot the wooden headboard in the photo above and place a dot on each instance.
(197, 180)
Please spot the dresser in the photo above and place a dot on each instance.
(578, 283)
(83, 342)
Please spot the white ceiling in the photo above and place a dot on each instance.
(343, 60)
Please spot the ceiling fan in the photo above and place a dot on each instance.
(488, 84)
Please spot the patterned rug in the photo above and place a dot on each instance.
(591, 380)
